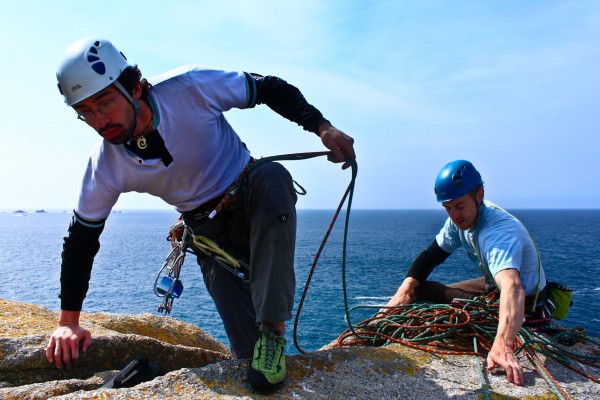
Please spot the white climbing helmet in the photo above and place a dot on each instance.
(88, 66)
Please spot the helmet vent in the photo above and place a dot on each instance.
(99, 67)
(94, 60)
(457, 177)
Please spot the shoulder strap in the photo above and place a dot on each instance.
(537, 290)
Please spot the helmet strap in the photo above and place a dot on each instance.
(136, 106)
(134, 103)
(479, 213)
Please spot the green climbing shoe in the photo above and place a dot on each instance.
(267, 369)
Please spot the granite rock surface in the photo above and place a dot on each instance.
(199, 367)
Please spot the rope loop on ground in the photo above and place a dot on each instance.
(468, 327)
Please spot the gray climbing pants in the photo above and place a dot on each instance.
(262, 231)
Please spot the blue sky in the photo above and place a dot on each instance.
(513, 86)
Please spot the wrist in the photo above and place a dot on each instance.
(68, 318)
(410, 283)
(503, 345)
(323, 127)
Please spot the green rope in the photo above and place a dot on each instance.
(427, 326)
(484, 389)
(437, 329)
(348, 194)
(543, 371)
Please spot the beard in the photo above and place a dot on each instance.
(118, 134)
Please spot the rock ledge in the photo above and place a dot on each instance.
(199, 367)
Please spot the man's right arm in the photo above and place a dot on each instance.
(405, 293)
(79, 249)
(420, 269)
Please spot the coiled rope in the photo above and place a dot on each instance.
(544, 373)
(484, 389)
(468, 327)
(435, 328)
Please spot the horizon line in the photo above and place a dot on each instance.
(117, 210)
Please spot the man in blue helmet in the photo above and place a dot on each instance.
(497, 244)
(169, 137)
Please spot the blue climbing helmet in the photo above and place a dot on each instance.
(456, 179)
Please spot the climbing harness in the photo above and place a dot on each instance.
(168, 283)
(233, 192)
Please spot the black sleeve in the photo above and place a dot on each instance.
(287, 101)
(79, 249)
(430, 258)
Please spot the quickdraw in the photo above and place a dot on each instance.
(167, 284)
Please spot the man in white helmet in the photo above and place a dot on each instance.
(169, 137)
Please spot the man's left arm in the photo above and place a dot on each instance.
(288, 101)
(511, 314)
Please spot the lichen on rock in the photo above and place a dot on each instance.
(200, 367)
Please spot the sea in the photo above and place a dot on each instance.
(381, 245)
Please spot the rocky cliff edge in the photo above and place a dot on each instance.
(199, 367)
